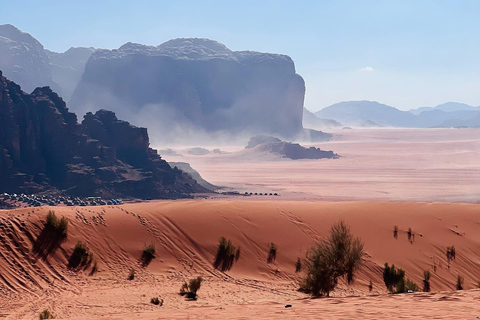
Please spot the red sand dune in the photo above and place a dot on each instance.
(186, 234)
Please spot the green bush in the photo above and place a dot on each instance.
(45, 314)
(80, 256)
(191, 288)
(272, 253)
(338, 256)
(426, 281)
(55, 225)
(148, 254)
(451, 253)
(405, 285)
(298, 265)
(131, 275)
(94, 268)
(226, 255)
(459, 285)
(392, 276)
(156, 301)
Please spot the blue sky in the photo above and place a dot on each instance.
(403, 53)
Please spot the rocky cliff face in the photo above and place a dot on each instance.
(67, 68)
(23, 59)
(198, 84)
(44, 148)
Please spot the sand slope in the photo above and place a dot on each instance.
(186, 233)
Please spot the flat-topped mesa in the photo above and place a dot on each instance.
(195, 83)
(44, 149)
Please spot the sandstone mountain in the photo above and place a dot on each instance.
(44, 149)
(24, 60)
(194, 84)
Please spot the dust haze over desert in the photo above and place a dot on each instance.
(251, 160)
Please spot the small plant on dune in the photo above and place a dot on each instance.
(156, 301)
(426, 281)
(237, 254)
(226, 255)
(298, 265)
(459, 285)
(272, 253)
(53, 234)
(45, 314)
(59, 226)
(395, 232)
(451, 253)
(190, 289)
(131, 275)
(370, 286)
(148, 254)
(406, 285)
(392, 276)
(338, 256)
(80, 257)
(94, 268)
(409, 233)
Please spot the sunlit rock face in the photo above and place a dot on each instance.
(197, 84)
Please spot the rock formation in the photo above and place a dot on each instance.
(68, 67)
(43, 148)
(195, 84)
(288, 150)
(24, 60)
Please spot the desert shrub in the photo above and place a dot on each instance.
(338, 256)
(395, 232)
(392, 276)
(298, 265)
(45, 314)
(131, 275)
(409, 233)
(451, 253)
(226, 254)
(58, 226)
(80, 256)
(94, 268)
(426, 281)
(459, 285)
(53, 234)
(156, 301)
(148, 254)
(272, 253)
(405, 285)
(237, 254)
(370, 286)
(191, 288)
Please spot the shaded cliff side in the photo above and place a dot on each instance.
(43, 148)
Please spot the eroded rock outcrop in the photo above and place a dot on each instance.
(288, 150)
(44, 148)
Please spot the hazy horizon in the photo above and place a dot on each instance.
(405, 54)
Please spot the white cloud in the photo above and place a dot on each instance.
(366, 69)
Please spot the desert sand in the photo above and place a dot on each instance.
(186, 234)
(440, 165)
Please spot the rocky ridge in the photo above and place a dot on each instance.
(44, 149)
